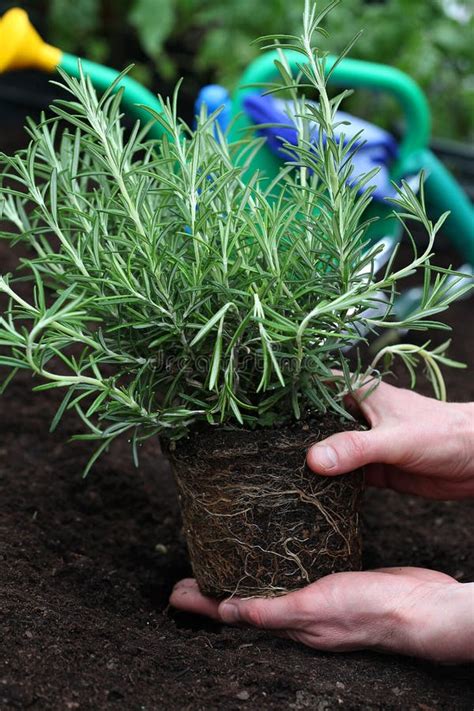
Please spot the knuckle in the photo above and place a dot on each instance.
(357, 445)
(256, 615)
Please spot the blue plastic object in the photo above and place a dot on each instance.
(214, 96)
(373, 147)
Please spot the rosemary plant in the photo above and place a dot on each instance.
(167, 288)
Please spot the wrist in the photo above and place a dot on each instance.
(440, 627)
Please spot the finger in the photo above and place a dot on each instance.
(187, 597)
(344, 452)
(370, 404)
(277, 613)
(375, 404)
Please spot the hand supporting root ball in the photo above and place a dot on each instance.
(401, 610)
(415, 445)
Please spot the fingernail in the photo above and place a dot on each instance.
(325, 456)
(229, 612)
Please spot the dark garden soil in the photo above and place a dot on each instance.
(86, 568)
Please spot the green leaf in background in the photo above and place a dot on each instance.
(73, 23)
(153, 20)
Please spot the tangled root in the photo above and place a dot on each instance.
(257, 521)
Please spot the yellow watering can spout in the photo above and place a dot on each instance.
(21, 47)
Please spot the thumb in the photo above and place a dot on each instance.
(344, 452)
(267, 613)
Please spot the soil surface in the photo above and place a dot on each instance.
(86, 568)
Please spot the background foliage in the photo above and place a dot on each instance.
(429, 39)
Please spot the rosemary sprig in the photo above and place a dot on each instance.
(166, 290)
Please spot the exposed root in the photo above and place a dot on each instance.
(257, 521)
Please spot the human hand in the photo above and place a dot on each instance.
(410, 611)
(416, 445)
